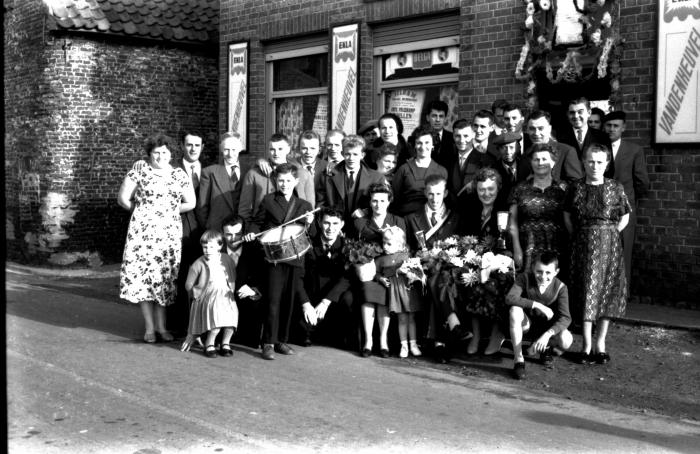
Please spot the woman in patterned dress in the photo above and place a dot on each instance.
(156, 195)
(596, 211)
(536, 210)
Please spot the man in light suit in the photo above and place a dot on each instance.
(220, 187)
(631, 171)
(580, 136)
(568, 166)
(345, 187)
(309, 159)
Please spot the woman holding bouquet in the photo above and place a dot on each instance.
(481, 221)
(370, 229)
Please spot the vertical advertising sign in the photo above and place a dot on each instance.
(238, 90)
(344, 75)
(678, 61)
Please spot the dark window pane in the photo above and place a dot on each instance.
(310, 71)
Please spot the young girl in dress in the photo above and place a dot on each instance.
(210, 284)
(399, 297)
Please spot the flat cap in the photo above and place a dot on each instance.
(615, 115)
(507, 137)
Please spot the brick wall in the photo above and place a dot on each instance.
(667, 253)
(90, 103)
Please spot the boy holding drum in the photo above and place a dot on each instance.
(284, 279)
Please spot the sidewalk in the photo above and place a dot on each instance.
(637, 313)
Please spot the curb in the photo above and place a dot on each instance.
(101, 272)
(655, 324)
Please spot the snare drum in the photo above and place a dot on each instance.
(285, 244)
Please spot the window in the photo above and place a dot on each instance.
(297, 89)
(410, 71)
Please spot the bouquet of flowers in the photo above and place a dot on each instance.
(413, 270)
(361, 254)
(464, 271)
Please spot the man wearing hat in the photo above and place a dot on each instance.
(509, 166)
(369, 131)
(631, 171)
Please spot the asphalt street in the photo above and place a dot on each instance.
(80, 380)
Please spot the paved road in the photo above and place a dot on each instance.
(80, 381)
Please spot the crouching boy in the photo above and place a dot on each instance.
(539, 305)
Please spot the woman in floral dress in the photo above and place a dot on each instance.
(536, 210)
(596, 211)
(156, 195)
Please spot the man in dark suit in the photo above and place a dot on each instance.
(568, 166)
(178, 313)
(482, 125)
(462, 167)
(248, 260)
(345, 187)
(220, 187)
(631, 171)
(309, 159)
(514, 122)
(435, 221)
(328, 315)
(580, 136)
(443, 141)
(509, 166)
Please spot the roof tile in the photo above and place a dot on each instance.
(172, 20)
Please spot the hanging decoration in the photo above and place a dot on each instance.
(560, 36)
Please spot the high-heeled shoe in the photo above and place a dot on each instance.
(165, 336)
(149, 337)
(473, 346)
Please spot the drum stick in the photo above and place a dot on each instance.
(288, 222)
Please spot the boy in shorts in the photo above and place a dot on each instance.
(539, 305)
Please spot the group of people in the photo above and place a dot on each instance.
(193, 240)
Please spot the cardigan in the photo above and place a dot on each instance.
(198, 275)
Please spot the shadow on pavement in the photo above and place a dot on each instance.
(681, 443)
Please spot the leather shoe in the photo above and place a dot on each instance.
(366, 353)
(459, 334)
(307, 342)
(268, 351)
(384, 353)
(284, 349)
(225, 350)
(585, 358)
(519, 371)
(441, 354)
(210, 351)
(602, 358)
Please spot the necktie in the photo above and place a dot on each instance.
(433, 219)
(234, 177)
(351, 181)
(579, 137)
(310, 169)
(195, 178)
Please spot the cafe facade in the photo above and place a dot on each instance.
(291, 65)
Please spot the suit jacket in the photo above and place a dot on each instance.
(218, 197)
(631, 171)
(592, 136)
(419, 221)
(457, 178)
(507, 184)
(190, 226)
(332, 190)
(320, 167)
(567, 168)
(325, 276)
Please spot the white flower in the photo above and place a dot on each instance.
(473, 258)
(541, 39)
(595, 37)
(469, 278)
(450, 241)
(529, 22)
(545, 4)
(530, 8)
(457, 261)
(606, 21)
(452, 252)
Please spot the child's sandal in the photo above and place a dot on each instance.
(226, 350)
(210, 351)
